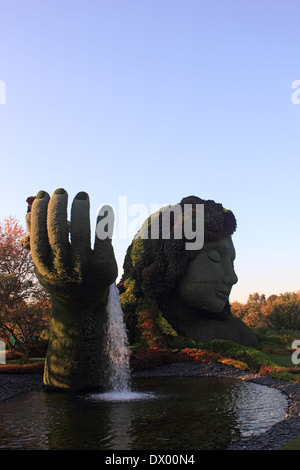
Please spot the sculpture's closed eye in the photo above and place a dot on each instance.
(214, 256)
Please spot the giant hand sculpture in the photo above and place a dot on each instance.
(78, 278)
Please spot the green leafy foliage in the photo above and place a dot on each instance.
(153, 266)
(273, 314)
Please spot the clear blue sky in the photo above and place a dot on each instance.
(157, 100)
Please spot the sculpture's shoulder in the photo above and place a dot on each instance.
(231, 329)
(241, 332)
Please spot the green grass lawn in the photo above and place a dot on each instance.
(32, 360)
(283, 360)
(294, 444)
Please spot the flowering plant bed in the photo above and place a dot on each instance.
(276, 350)
(226, 352)
(36, 368)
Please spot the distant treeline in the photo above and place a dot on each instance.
(275, 312)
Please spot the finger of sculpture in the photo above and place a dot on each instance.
(39, 242)
(58, 231)
(80, 230)
(103, 249)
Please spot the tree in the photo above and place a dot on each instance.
(274, 313)
(238, 310)
(252, 311)
(24, 304)
(256, 299)
(283, 311)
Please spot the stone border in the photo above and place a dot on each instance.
(13, 384)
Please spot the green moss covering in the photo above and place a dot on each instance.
(293, 444)
(78, 278)
(40, 195)
(59, 191)
(165, 327)
(154, 266)
(82, 196)
(129, 297)
(137, 251)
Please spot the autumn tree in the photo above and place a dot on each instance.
(251, 312)
(273, 313)
(239, 310)
(283, 311)
(24, 305)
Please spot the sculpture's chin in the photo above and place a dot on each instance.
(218, 305)
(212, 311)
(214, 306)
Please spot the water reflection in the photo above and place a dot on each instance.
(182, 414)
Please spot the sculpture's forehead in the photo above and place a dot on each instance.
(223, 246)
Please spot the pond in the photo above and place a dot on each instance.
(171, 413)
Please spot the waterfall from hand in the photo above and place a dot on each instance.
(116, 355)
(118, 370)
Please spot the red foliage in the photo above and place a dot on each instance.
(25, 308)
(200, 356)
(37, 368)
(276, 350)
(154, 357)
(29, 201)
(147, 324)
(150, 358)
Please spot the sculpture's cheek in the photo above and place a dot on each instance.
(201, 295)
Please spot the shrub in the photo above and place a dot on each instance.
(147, 326)
(128, 297)
(223, 351)
(252, 357)
(37, 368)
(278, 373)
(276, 340)
(150, 358)
(201, 356)
(165, 326)
(237, 364)
(180, 342)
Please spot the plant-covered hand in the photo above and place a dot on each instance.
(78, 278)
(69, 269)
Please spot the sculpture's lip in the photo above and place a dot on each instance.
(224, 294)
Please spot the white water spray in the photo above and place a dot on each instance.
(116, 347)
(116, 355)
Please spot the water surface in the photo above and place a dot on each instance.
(170, 413)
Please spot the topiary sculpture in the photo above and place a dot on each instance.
(78, 279)
(164, 283)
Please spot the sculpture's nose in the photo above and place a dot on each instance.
(230, 277)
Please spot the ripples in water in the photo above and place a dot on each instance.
(174, 413)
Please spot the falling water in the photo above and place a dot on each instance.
(118, 372)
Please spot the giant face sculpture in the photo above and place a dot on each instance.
(210, 276)
(189, 289)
